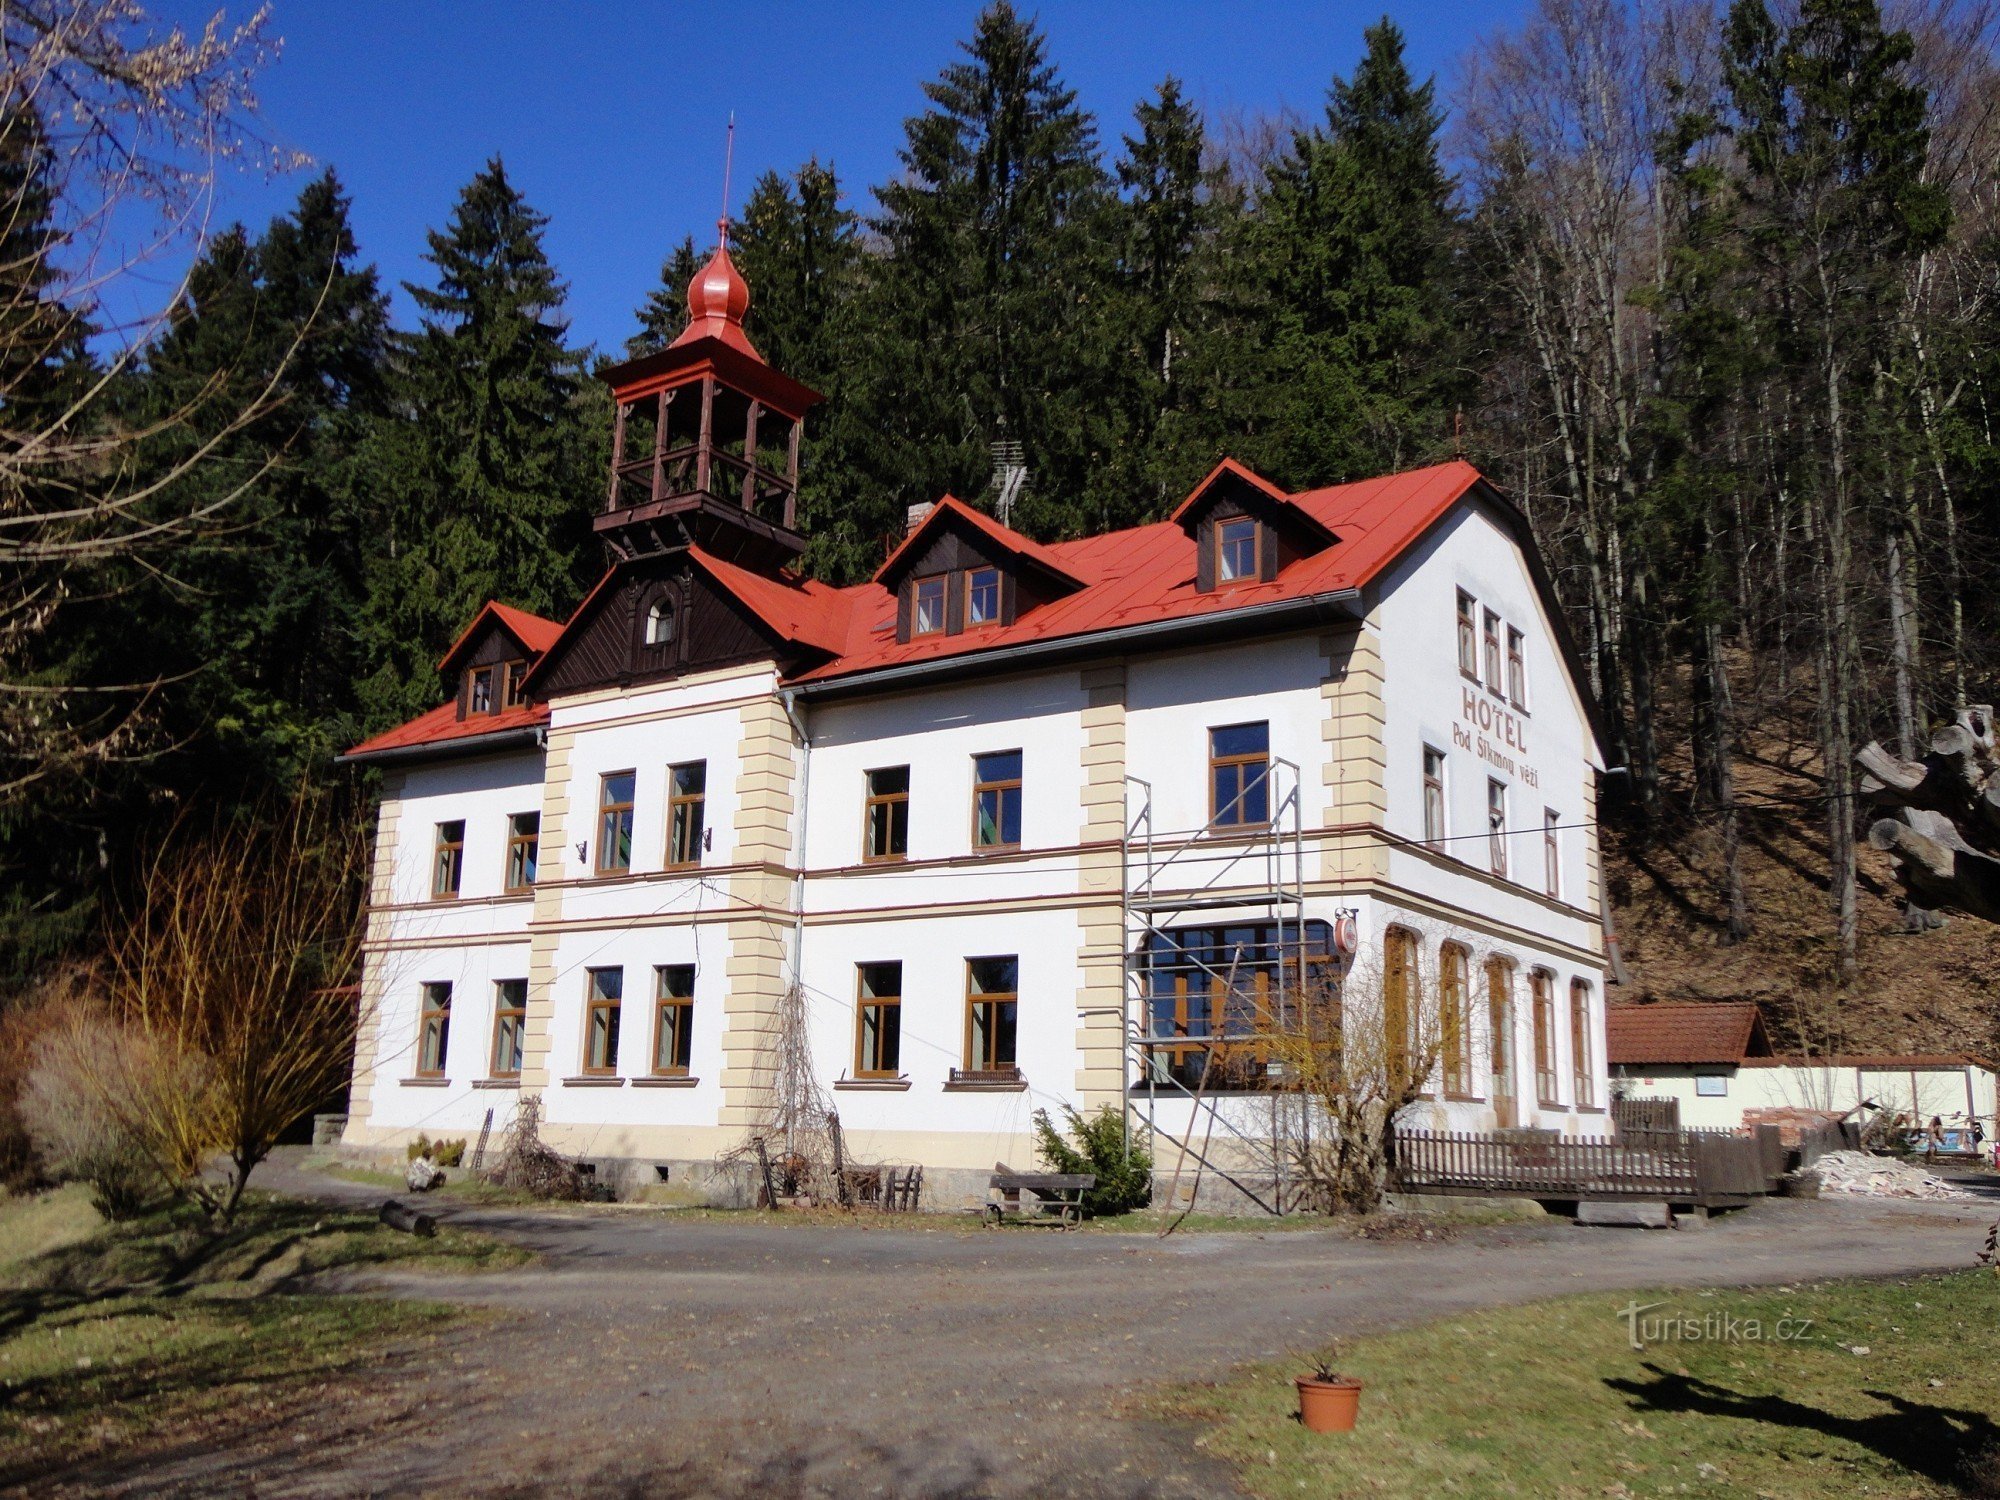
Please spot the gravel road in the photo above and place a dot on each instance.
(645, 1355)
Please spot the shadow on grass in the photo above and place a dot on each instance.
(1940, 1443)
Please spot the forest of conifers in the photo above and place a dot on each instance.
(1709, 291)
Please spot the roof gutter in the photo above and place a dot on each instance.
(1257, 619)
(528, 736)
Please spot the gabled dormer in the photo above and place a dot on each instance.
(960, 571)
(1245, 529)
(488, 664)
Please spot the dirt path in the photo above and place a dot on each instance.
(646, 1356)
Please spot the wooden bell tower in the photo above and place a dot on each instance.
(705, 450)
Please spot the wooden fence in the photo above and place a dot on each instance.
(1645, 1114)
(1707, 1168)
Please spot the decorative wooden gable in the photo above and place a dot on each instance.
(656, 618)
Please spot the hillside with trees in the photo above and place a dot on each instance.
(1711, 291)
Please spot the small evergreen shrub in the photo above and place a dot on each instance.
(1097, 1146)
(442, 1153)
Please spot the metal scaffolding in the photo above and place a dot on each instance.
(1228, 873)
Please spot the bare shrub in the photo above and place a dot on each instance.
(81, 1063)
(1360, 1047)
(236, 959)
(528, 1166)
(23, 1022)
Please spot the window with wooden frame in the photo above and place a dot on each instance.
(1542, 988)
(1434, 821)
(687, 797)
(1239, 776)
(614, 823)
(996, 800)
(1500, 1025)
(660, 623)
(1517, 669)
(434, 1031)
(1496, 826)
(673, 1020)
(982, 597)
(878, 1020)
(1205, 984)
(1455, 1017)
(1551, 852)
(1581, 1072)
(992, 1014)
(479, 692)
(927, 605)
(1494, 678)
(885, 819)
(1236, 541)
(605, 1001)
(448, 860)
(1401, 1011)
(510, 1026)
(524, 843)
(1468, 638)
(516, 675)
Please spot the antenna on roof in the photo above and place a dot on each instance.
(728, 160)
(1010, 474)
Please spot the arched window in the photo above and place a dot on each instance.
(1582, 1073)
(1401, 1010)
(1455, 1017)
(660, 623)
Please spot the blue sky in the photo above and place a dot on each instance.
(610, 116)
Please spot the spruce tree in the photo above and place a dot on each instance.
(664, 313)
(800, 250)
(990, 317)
(485, 461)
(1173, 312)
(289, 329)
(1352, 245)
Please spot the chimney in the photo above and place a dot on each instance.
(917, 515)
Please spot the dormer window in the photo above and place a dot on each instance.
(982, 597)
(517, 673)
(660, 623)
(1236, 549)
(479, 696)
(927, 600)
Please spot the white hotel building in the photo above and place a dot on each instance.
(1007, 815)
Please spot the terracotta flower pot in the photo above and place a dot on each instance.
(1329, 1405)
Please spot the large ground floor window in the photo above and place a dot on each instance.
(1213, 995)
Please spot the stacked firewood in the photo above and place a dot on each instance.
(1940, 818)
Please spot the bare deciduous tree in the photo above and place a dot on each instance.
(112, 130)
(237, 957)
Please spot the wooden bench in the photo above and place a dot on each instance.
(1056, 1198)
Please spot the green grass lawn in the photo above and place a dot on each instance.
(1891, 1388)
(116, 1333)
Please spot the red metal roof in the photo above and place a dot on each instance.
(1147, 573)
(1138, 576)
(1680, 1032)
(442, 725)
(1004, 537)
(531, 631)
